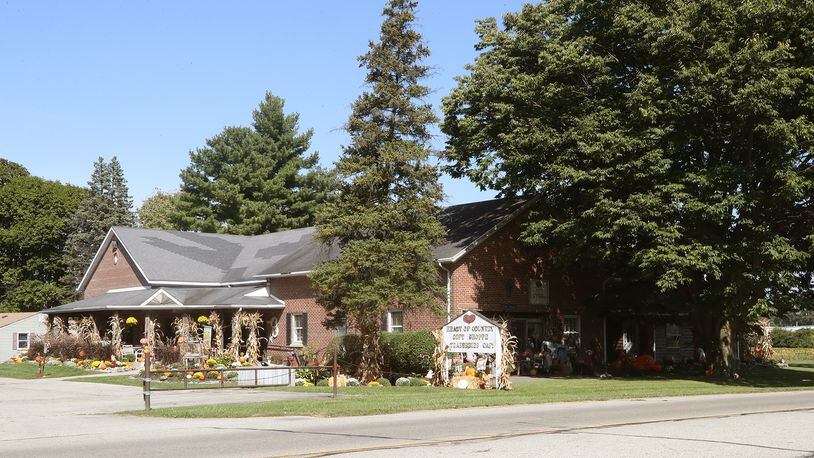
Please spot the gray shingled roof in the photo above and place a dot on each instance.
(193, 257)
(190, 298)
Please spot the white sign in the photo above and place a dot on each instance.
(471, 333)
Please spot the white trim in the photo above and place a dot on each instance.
(213, 284)
(490, 232)
(300, 273)
(390, 320)
(122, 290)
(170, 307)
(161, 292)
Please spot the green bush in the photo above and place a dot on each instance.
(403, 381)
(384, 382)
(402, 352)
(415, 381)
(802, 338)
(323, 382)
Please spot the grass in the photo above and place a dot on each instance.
(382, 400)
(795, 355)
(29, 371)
(126, 380)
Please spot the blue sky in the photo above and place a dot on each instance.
(148, 81)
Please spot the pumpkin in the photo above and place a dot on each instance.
(180, 340)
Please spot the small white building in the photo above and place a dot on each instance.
(17, 330)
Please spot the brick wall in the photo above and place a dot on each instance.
(112, 273)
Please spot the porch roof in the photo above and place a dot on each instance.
(167, 298)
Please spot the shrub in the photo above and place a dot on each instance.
(802, 338)
(299, 382)
(353, 382)
(403, 353)
(403, 381)
(166, 351)
(416, 381)
(323, 382)
(35, 348)
(384, 382)
(407, 352)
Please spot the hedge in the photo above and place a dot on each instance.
(402, 352)
(802, 338)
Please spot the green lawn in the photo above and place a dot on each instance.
(372, 401)
(29, 371)
(127, 380)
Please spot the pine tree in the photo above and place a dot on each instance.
(384, 220)
(253, 180)
(108, 204)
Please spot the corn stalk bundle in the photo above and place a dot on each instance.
(185, 327)
(115, 334)
(509, 346)
(253, 323)
(73, 327)
(237, 338)
(57, 328)
(151, 331)
(88, 330)
(763, 347)
(217, 327)
(440, 374)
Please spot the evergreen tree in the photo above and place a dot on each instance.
(671, 145)
(254, 180)
(384, 219)
(34, 225)
(159, 211)
(108, 204)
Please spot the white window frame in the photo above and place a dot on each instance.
(390, 326)
(20, 339)
(672, 339)
(539, 291)
(292, 339)
(578, 321)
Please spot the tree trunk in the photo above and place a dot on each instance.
(717, 337)
(369, 364)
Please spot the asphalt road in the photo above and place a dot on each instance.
(58, 418)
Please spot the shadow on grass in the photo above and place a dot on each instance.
(797, 376)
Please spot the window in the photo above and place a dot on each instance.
(538, 292)
(673, 332)
(298, 328)
(395, 321)
(571, 328)
(22, 341)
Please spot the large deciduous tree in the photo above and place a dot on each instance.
(159, 211)
(34, 216)
(671, 143)
(384, 220)
(254, 180)
(108, 204)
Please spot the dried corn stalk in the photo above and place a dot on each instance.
(509, 345)
(185, 327)
(87, 329)
(151, 331)
(73, 327)
(217, 327)
(237, 338)
(57, 328)
(440, 374)
(253, 323)
(115, 334)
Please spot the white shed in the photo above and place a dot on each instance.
(17, 330)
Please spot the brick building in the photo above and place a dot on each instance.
(137, 272)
